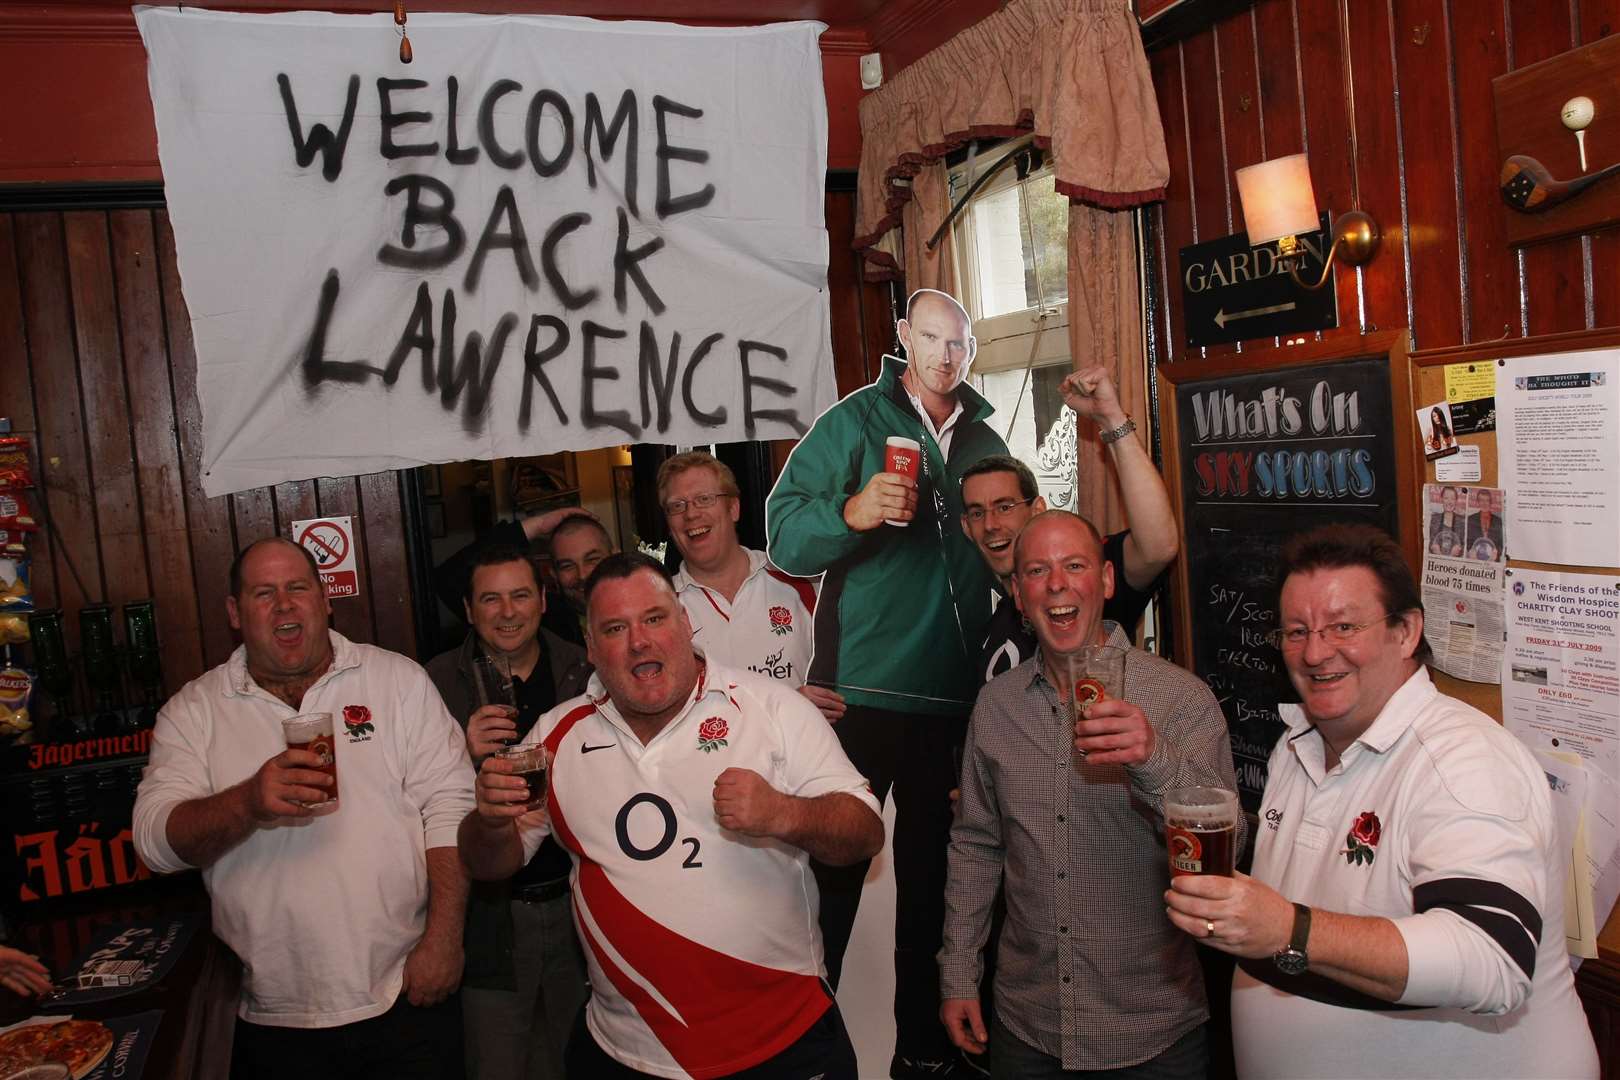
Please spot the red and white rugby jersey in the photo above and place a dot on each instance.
(766, 629)
(704, 952)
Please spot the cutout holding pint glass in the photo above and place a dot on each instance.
(529, 764)
(1200, 829)
(313, 732)
(904, 456)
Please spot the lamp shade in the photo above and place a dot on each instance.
(1277, 199)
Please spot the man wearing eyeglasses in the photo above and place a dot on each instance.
(999, 496)
(904, 599)
(1406, 903)
(745, 613)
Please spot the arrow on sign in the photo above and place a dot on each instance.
(1222, 318)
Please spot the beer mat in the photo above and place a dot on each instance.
(1469, 417)
(132, 1042)
(123, 960)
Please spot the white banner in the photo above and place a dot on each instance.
(545, 233)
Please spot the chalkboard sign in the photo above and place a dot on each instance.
(1264, 455)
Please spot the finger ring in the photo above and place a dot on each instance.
(1209, 924)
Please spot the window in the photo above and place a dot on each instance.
(1012, 254)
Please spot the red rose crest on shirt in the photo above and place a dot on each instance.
(1362, 839)
(357, 721)
(781, 620)
(712, 734)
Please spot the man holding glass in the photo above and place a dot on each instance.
(1063, 806)
(347, 917)
(525, 976)
(1406, 909)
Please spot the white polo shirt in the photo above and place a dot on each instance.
(703, 946)
(321, 910)
(766, 629)
(1466, 865)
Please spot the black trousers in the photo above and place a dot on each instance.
(405, 1043)
(824, 1052)
(919, 757)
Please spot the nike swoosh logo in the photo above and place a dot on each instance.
(585, 748)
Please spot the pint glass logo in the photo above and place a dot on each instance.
(712, 734)
(1088, 690)
(1186, 851)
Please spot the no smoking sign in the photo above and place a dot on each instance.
(330, 542)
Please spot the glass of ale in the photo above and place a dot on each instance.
(1200, 828)
(313, 732)
(529, 762)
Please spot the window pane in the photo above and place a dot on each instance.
(1049, 222)
(1043, 427)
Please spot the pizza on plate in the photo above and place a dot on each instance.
(78, 1044)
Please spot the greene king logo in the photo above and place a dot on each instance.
(903, 461)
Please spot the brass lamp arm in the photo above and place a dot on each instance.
(1356, 233)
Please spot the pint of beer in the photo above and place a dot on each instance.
(903, 456)
(1200, 828)
(528, 762)
(313, 732)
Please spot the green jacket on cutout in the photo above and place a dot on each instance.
(902, 610)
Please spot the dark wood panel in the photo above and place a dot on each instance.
(1423, 53)
(68, 506)
(14, 375)
(295, 501)
(1278, 62)
(351, 617)
(1490, 287)
(119, 533)
(1554, 272)
(1175, 213)
(388, 567)
(1212, 213)
(1327, 136)
(253, 515)
(157, 449)
(1378, 141)
(1600, 18)
(208, 520)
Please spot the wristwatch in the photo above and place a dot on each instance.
(1292, 960)
(1113, 435)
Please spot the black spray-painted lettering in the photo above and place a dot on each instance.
(624, 119)
(512, 237)
(750, 381)
(668, 204)
(701, 418)
(531, 133)
(320, 139)
(454, 152)
(506, 159)
(388, 120)
(560, 228)
(534, 366)
(420, 215)
(590, 374)
(626, 263)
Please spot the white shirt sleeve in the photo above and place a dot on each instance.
(532, 836)
(813, 763)
(176, 772)
(438, 772)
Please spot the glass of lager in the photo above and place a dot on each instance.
(529, 762)
(313, 732)
(1200, 828)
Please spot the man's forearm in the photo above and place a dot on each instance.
(1153, 540)
(488, 854)
(1364, 953)
(836, 829)
(447, 893)
(202, 830)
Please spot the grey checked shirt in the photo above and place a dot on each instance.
(1090, 970)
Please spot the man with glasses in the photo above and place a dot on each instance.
(904, 598)
(1406, 903)
(745, 613)
(999, 496)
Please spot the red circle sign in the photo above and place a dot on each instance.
(327, 541)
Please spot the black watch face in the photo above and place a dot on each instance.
(1291, 962)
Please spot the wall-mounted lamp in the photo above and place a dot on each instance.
(1279, 205)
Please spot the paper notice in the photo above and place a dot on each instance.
(1462, 617)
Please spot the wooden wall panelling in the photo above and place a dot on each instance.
(253, 516)
(156, 445)
(67, 503)
(1213, 191)
(1241, 121)
(16, 384)
(1377, 138)
(1175, 224)
(1552, 275)
(1277, 58)
(381, 524)
(295, 501)
(1326, 98)
(1490, 282)
(1423, 51)
(350, 617)
(119, 532)
(1600, 18)
(208, 520)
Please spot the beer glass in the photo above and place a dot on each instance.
(313, 732)
(1096, 673)
(492, 682)
(528, 762)
(904, 456)
(1200, 829)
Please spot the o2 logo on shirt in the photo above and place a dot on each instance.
(666, 839)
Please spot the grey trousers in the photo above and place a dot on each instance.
(521, 1034)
